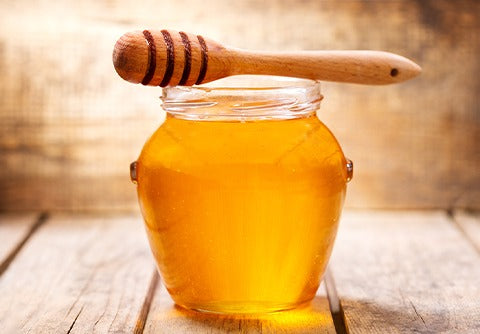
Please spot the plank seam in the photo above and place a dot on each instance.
(145, 310)
(41, 219)
(74, 320)
(335, 304)
(451, 217)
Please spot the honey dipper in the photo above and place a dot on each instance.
(167, 57)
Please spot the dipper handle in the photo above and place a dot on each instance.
(167, 57)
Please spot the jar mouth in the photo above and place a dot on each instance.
(244, 97)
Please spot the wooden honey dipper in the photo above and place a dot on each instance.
(167, 57)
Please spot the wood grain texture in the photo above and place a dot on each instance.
(395, 272)
(13, 229)
(68, 115)
(165, 317)
(78, 275)
(469, 224)
(71, 164)
(404, 272)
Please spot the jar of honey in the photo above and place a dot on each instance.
(241, 189)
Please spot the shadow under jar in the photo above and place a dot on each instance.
(241, 189)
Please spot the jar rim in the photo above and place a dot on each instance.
(244, 97)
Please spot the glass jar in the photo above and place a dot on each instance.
(241, 189)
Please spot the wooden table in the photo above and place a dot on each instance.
(391, 272)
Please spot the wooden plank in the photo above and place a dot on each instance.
(469, 223)
(404, 272)
(78, 275)
(73, 162)
(13, 228)
(65, 115)
(165, 317)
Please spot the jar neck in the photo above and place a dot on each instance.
(244, 98)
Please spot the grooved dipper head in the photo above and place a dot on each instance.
(164, 57)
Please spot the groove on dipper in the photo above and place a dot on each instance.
(152, 59)
(170, 58)
(188, 58)
(203, 68)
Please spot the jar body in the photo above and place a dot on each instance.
(241, 216)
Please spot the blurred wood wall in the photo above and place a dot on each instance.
(69, 126)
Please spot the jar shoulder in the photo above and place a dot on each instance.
(182, 142)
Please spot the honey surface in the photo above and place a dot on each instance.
(241, 217)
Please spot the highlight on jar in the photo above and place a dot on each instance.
(242, 186)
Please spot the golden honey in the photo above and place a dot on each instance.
(241, 215)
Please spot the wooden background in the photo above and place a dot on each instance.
(69, 126)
